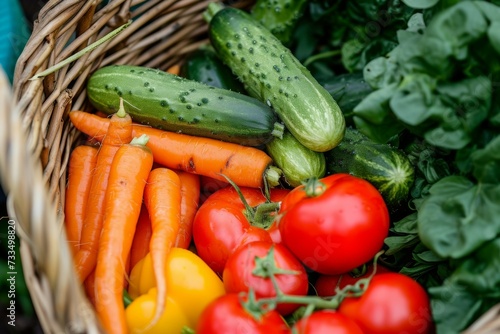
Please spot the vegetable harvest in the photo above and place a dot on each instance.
(296, 175)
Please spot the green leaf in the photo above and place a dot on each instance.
(375, 107)
(428, 256)
(486, 162)
(458, 26)
(381, 133)
(421, 4)
(408, 224)
(480, 273)
(494, 35)
(416, 23)
(397, 244)
(351, 52)
(491, 9)
(381, 72)
(451, 139)
(413, 101)
(424, 54)
(459, 216)
(453, 308)
(470, 100)
(469, 291)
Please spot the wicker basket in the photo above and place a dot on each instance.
(36, 137)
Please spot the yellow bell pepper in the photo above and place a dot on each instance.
(191, 286)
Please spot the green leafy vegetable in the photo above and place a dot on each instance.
(424, 84)
(434, 70)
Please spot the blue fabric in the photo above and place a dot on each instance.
(14, 33)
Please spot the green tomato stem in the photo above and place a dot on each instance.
(261, 214)
(313, 302)
(314, 187)
(257, 216)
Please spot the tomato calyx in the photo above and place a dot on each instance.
(265, 267)
(261, 215)
(313, 187)
(251, 305)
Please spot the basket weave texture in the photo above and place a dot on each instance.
(36, 137)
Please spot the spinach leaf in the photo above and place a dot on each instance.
(443, 87)
(459, 215)
(421, 4)
(472, 289)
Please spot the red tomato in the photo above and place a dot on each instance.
(209, 185)
(222, 224)
(326, 322)
(336, 229)
(238, 273)
(227, 315)
(392, 304)
(325, 285)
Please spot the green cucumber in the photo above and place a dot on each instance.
(204, 65)
(386, 167)
(348, 90)
(279, 16)
(297, 162)
(272, 74)
(170, 102)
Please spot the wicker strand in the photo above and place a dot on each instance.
(57, 296)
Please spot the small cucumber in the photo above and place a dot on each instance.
(279, 16)
(386, 167)
(297, 162)
(272, 74)
(204, 65)
(170, 102)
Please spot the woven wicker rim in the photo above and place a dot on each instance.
(36, 137)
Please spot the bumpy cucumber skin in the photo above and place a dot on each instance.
(386, 167)
(297, 162)
(170, 102)
(271, 73)
(204, 65)
(279, 16)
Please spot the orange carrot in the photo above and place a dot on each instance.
(245, 166)
(80, 171)
(190, 198)
(89, 287)
(142, 237)
(119, 132)
(162, 197)
(174, 69)
(127, 179)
